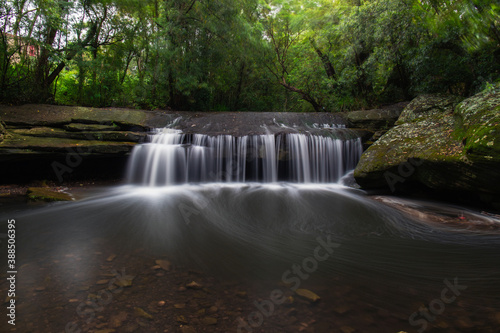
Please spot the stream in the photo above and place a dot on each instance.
(262, 226)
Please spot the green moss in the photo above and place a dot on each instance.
(479, 126)
(47, 194)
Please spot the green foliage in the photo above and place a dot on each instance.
(258, 55)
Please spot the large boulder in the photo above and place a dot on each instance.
(442, 143)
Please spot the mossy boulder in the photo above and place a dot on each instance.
(425, 106)
(440, 142)
(47, 194)
(479, 127)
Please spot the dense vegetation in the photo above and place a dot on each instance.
(282, 55)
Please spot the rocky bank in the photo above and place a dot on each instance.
(441, 143)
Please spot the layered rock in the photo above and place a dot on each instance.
(43, 141)
(377, 119)
(442, 143)
(47, 141)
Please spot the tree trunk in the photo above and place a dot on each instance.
(240, 85)
(42, 81)
(71, 54)
(42, 68)
(130, 56)
(329, 69)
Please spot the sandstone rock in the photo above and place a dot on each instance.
(440, 143)
(376, 119)
(76, 127)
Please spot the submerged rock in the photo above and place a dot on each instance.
(194, 285)
(441, 142)
(164, 264)
(307, 294)
(141, 313)
(207, 321)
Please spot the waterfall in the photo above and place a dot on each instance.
(172, 157)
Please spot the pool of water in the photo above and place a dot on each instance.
(376, 268)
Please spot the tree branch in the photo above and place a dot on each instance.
(71, 55)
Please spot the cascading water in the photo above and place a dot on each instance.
(173, 157)
(373, 266)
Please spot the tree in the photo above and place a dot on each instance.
(286, 55)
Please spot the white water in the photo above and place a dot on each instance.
(173, 157)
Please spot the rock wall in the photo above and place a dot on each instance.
(47, 141)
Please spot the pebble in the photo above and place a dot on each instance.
(141, 313)
(125, 281)
(242, 294)
(307, 294)
(341, 309)
(130, 328)
(187, 329)
(117, 321)
(164, 264)
(207, 321)
(347, 329)
(194, 285)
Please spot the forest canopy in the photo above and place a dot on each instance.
(239, 55)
